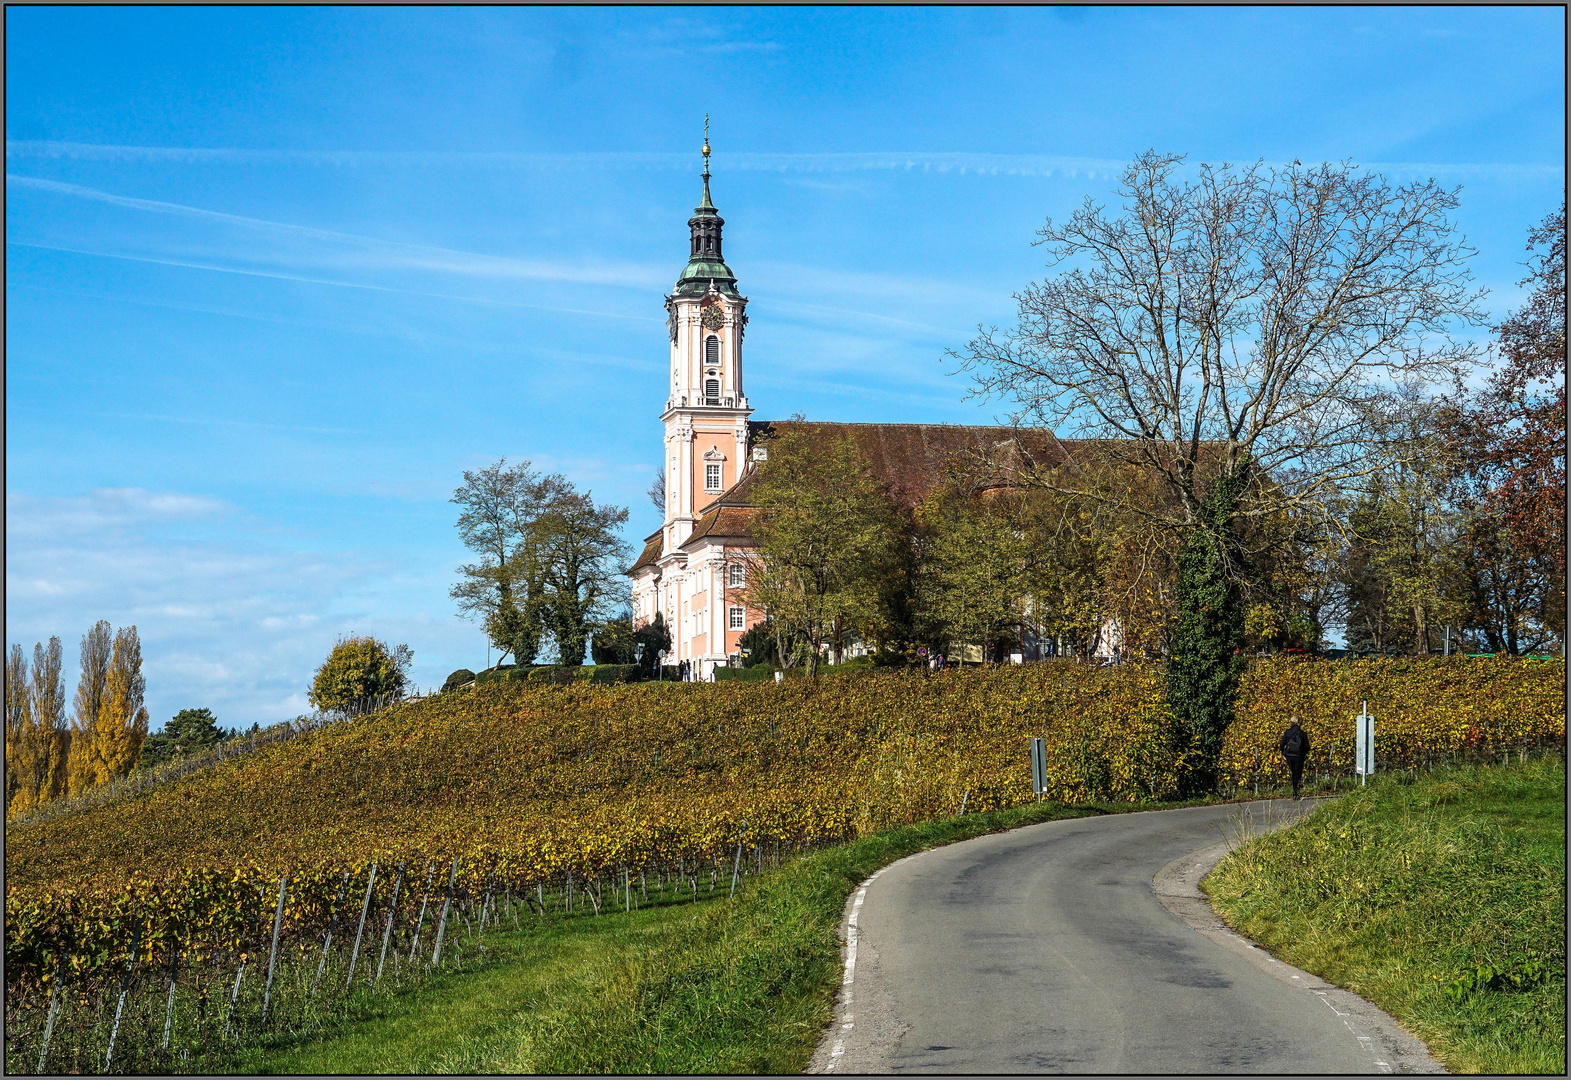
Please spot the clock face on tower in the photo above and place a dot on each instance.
(714, 318)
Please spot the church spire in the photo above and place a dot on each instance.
(706, 204)
(706, 266)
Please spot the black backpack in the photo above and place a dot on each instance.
(1293, 742)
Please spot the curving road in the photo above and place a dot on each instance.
(1084, 946)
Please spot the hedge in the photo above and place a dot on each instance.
(756, 673)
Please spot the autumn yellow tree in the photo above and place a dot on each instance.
(82, 767)
(49, 733)
(34, 743)
(122, 717)
(110, 720)
(17, 721)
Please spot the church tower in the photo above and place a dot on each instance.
(706, 411)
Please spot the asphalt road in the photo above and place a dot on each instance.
(1049, 949)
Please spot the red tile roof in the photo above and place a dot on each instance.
(910, 460)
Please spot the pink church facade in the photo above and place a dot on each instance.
(693, 572)
(688, 573)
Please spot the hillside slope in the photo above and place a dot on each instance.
(586, 776)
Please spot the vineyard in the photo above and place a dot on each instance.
(508, 795)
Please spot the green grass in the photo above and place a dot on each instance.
(1402, 891)
(718, 986)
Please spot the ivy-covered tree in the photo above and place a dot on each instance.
(1223, 325)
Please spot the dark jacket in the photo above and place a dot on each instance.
(1303, 736)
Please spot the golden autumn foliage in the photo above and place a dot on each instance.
(527, 784)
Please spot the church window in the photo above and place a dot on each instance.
(711, 478)
(736, 578)
(712, 350)
(712, 391)
(738, 620)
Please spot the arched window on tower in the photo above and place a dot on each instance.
(712, 350)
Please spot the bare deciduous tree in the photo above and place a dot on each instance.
(1249, 323)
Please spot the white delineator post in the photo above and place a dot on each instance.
(1364, 746)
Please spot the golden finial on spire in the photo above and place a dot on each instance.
(706, 142)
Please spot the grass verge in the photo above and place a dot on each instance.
(717, 986)
(1442, 899)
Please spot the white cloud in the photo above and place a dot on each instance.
(247, 242)
(225, 622)
(28, 517)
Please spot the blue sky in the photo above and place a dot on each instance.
(275, 278)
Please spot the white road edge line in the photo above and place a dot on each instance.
(848, 982)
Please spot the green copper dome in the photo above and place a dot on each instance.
(706, 263)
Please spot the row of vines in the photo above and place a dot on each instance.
(523, 789)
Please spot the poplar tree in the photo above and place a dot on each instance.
(122, 716)
(18, 720)
(50, 737)
(84, 761)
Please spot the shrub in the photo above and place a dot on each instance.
(601, 674)
(457, 679)
(358, 667)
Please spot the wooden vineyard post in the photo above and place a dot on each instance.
(125, 987)
(568, 892)
(234, 996)
(447, 903)
(332, 925)
(415, 944)
(736, 867)
(387, 935)
(272, 956)
(49, 1023)
(169, 1007)
(486, 903)
(365, 909)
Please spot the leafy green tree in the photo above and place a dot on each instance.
(457, 679)
(581, 556)
(550, 560)
(824, 531)
(758, 645)
(655, 637)
(613, 641)
(973, 581)
(504, 590)
(189, 731)
(359, 667)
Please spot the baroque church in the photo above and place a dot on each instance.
(694, 570)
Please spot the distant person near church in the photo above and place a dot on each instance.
(1295, 748)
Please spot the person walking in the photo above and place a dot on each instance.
(1295, 748)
